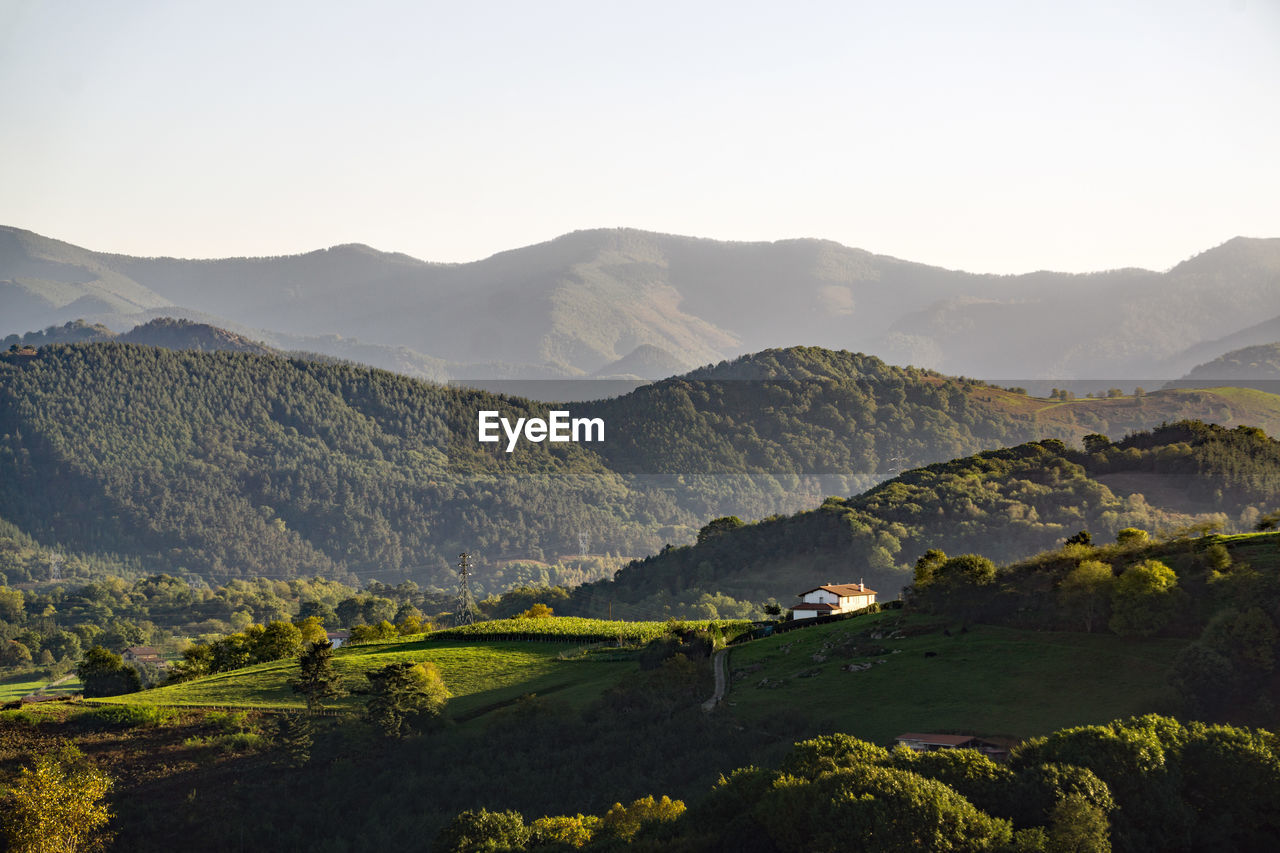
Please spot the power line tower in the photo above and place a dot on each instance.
(55, 566)
(584, 542)
(464, 613)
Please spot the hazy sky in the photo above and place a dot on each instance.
(989, 136)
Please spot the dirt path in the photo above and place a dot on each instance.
(52, 684)
(719, 664)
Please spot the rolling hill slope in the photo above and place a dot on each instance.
(1005, 504)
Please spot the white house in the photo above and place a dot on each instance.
(833, 598)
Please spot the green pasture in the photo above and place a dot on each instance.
(987, 681)
(480, 675)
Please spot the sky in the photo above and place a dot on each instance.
(987, 136)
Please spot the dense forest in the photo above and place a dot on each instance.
(230, 465)
(224, 464)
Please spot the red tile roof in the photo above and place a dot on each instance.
(821, 605)
(842, 589)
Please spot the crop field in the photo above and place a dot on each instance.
(577, 629)
(479, 675)
(987, 680)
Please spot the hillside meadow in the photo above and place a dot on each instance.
(926, 677)
(479, 675)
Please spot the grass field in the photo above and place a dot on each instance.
(1260, 550)
(16, 686)
(988, 680)
(478, 674)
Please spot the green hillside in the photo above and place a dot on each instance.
(481, 666)
(921, 677)
(227, 464)
(479, 675)
(1005, 504)
(988, 680)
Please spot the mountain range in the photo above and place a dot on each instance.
(622, 302)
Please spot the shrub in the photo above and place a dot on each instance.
(134, 716)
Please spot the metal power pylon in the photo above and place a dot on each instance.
(464, 613)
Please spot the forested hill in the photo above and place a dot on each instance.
(1004, 504)
(237, 464)
(231, 464)
(167, 332)
(1261, 362)
(850, 420)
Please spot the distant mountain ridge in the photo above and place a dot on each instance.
(166, 332)
(577, 304)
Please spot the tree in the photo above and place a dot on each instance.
(318, 610)
(57, 805)
(563, 830)
(538, 611)
(1095, 442)
(966, 570)
(311, 630)
(1270, 521)
(927, 566)
(384, 630)
(1132, 536)
(277, 640)
(1144, 599)
(317, 679)
(624, 822)
(11, 605)
(1081, 538)
(403, 690)
(719, 527)
(1078, 826)
(474, 831)
(1039, 788)
(63, 645)
(296, 734)
(1086, 590)
(1205, 679)
(873, 809)
(104, 674)
(14, 654)
(809, 759)
(1231, 778)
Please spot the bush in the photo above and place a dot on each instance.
(1132, 536)
(478, 830)
(134, 716)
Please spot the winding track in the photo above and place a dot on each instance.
(719, 666)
